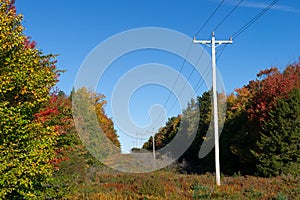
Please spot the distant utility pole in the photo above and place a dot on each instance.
(213, 46)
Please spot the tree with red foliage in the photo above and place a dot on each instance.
(271, 85)
(57, 112)
(250, 109)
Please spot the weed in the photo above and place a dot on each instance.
(201, 192)
(252, 194)
(281, 196)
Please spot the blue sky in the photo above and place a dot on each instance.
(73, 28)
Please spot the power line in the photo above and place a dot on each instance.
(206, 72)
(209, 18)
(228, 15)
(249, 23)
(205, 23)
(201, 81)
(215, 110)
(235, 35)
(219, 24)
(181, 68)
(170, 92)
(185, 59)
(191, 73)
(254, 19)
(240, 31)
(199, 84)
(221, 51)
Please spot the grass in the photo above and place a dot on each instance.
(168, 185)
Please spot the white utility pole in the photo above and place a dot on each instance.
(153, 141)
(213, 46)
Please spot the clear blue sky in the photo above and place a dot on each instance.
(73, 28)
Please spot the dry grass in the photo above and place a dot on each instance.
(167, 185)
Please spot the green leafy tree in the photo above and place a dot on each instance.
(96, 129)
(164, 135)
(196, 117)
(200, 120)
(203, 120)
(280, 136)
(237, 137)
(26, 143)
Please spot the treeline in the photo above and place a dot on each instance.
(261, 132)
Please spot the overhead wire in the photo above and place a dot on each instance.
(243, 29)
(209, 18)
(248, 24)
(234, 36)
(185, 59)
(228, 15)
(180, 70)
(218, 25)
(190, 75)
(254, 19)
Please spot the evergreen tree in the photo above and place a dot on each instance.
(279, 143)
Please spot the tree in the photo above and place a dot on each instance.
(279, 148)
(96, 130)
(250, 109)
(164, 135)
(26, 143)
(196, 117)
(73, 162)
(238, 135)
(57, 112)
(201, 120)
(270, 86)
